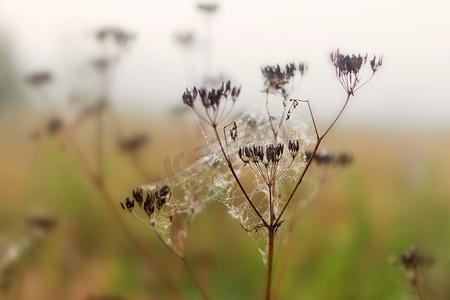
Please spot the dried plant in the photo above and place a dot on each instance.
(115, 41)
(412, 264)
(277, 150)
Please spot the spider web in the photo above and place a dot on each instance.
(209, 179)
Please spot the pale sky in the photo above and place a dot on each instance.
(411, 89)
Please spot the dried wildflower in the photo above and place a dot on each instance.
(41, 225)
(38, 79)
(185, 39)
(343, 159)
(156, 199)
(274, 153)
(129, 205)
(101, 64)
(346, 64)
(413, 260)
(302, 68)
(277, 78)
(376, 64)
(133, 143)
(208, 8)
(233, 131)
(54, 125)
(293, 147)
(149, 204)
(119, 36)
(162, 196)
(138, 196)
(243, 156)
(211, 101)
(256, 154)
(348, 68)
(324, 158)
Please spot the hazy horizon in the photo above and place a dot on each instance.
(411, 89)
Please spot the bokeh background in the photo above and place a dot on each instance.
(60, 238)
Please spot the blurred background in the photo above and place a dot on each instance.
(86, 87)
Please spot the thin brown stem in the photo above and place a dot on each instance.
(337, 117)
(270, 118)
(312, 116)
(108, 200)
(182, 257)
(230, 166)
(271, 236)
(417, 290)
(197, 282)
(284, 259)
(316, 147)
(99, 141)
(308, 163)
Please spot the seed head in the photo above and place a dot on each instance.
(117, 35)
(412, 259)
(162, 195)
(133, 143)
(38, 79)
(149, 204)
(233, 131)
(208, 8)
(375, 63)
(346, 64)
(276, 78)
(293, 147)
(54, 125)
(274, 153)
(129, 205)
(211, 100)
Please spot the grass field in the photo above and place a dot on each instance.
(395, 194)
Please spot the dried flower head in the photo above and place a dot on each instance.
(413, 260)
(233, 131)
(348, 69)
(293, 147)
(375, 63)
(277, 78)
(273, 153)
(38, 79)
(211, 100)
(208, 8)
(325, 158)
(346, 64)
(54, 125)
(101, 64)
(148, 200)
(114, 34)
(133, 143)
(185, 39)
(40, 225)
(256, 154)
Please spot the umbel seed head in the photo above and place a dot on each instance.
(293, 147)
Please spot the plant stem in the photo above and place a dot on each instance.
(182, 257)
(417, 290)
(230, 166)
(271, 235)
(99, 141)
(197, 282)
(308, 163)
(108, 200)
